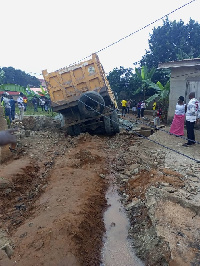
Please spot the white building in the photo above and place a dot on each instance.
(185, 78)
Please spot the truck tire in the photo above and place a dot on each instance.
(74, 130)
(70, 131)
(77, 130)
(115, 122)
(91, 104)
(107, 125)
(111, 124)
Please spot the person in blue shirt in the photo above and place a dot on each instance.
(12, 105)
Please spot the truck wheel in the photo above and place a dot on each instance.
(107, 125)
(77, 130)
(74, 130)
(91, 104)
(70, 131)
(115, 122)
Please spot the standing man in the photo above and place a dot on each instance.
(192, 114)
(139, 109)
(143, 107)
(154, 108)
(12, 105)
(46, 105)
(42, 103)
(20, 103)
(7, 107)
(25, 100)
(124, 104)
(128, 106)
(35, 104)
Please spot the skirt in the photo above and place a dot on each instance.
(177, 126)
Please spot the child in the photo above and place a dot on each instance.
(158, 117)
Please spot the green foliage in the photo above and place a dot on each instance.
(2, 76)
(43, 92)
(145, 77)
(12, 87)
(30, 111)
(119, 79)
(123, 82)
(162, 93)
(30, 94)
(26, 91)
(16, 76)
(162, 96)
(172, 41)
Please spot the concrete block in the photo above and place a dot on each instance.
(146, 133)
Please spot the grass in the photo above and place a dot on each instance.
(30, 111)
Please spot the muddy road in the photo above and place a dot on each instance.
(53, 199)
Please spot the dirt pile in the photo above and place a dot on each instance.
(157, 199)
(52, 194)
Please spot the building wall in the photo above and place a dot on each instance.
(180, 78)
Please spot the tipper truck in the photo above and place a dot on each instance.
(82, 94)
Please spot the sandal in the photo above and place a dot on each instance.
(185, 145)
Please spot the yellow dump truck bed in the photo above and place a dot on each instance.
(67, 84)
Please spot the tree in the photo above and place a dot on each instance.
(2, 76)
(121, 81)
(16, 76)
(145, 77)
(172, 41)
(162, 94)
(43, 92)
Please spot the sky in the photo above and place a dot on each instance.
(48, 34)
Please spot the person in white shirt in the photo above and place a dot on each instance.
(20, 103)
(6, 104)
(177, 126)
(143, 107)
(192, 115)
(42, 103)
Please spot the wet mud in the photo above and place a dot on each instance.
(54, 200)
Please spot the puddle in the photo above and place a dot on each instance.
(117, 250)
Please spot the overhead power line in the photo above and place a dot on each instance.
(156, 142)
(129, 35)
(140, 135)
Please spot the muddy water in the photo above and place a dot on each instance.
(117, 250)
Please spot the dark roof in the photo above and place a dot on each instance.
(12, 93)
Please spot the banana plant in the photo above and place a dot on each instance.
(43, 92)
(162, 92)
(30, 94)
(12, 87)
(162, 95)
(145, 77)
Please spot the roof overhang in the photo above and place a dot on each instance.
(182, 63)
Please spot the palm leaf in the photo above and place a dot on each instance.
(137, 91)
(151, 98)
(138, 73)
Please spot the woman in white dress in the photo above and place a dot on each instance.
(177, 126)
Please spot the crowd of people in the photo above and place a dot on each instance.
(126, 106)
(189, 114)
(9, 105)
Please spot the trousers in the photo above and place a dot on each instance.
(190, 132)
